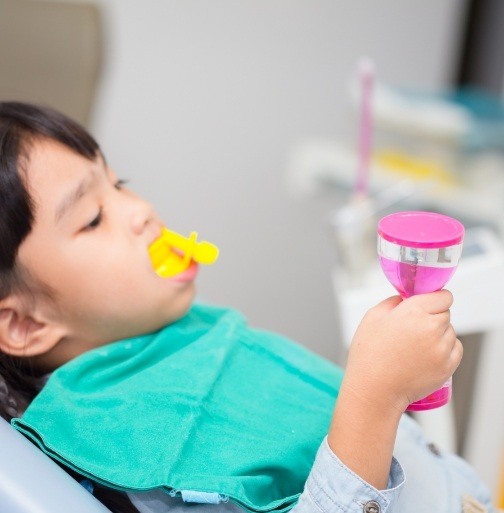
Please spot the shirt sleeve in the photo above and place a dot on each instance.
(332, 487)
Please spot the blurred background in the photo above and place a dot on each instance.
(240, 120)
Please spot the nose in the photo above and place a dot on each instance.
(141, 215)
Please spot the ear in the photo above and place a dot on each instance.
(22, 333)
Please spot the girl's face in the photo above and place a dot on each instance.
(89, 244)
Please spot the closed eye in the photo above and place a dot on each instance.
(96, 221)
(119, 184)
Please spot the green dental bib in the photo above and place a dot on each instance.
(205, 404)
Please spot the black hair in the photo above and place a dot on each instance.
(21, 124)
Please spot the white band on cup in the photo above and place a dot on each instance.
(428, 257)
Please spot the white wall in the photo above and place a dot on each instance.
(202, 102)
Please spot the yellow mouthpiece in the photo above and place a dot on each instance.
(172, 253)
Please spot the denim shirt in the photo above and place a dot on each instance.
(421, 479)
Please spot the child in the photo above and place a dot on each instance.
(87, 329)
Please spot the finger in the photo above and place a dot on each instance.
(443, 318)
(388, 304)
(455, 347)
(456, 354)
(434, 302)
(450, 335)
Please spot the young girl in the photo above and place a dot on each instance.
(161, 404)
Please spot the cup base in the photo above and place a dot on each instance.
(435, 400)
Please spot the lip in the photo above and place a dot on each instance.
(186, 276)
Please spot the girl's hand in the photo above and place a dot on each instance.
(403, 350)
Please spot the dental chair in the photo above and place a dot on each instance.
(30, 482)
(50, 54)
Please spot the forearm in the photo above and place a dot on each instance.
(362, 435)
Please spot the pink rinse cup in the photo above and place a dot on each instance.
(419, 252)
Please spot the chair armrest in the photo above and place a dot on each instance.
(30, 482)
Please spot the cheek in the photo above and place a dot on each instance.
(84, 283)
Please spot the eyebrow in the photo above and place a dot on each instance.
(73, 197)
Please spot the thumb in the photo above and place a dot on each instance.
(388, 304)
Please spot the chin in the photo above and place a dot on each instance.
(176, 312)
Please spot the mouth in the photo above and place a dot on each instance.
(187, 275)
(167, 261)
(174, 256)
